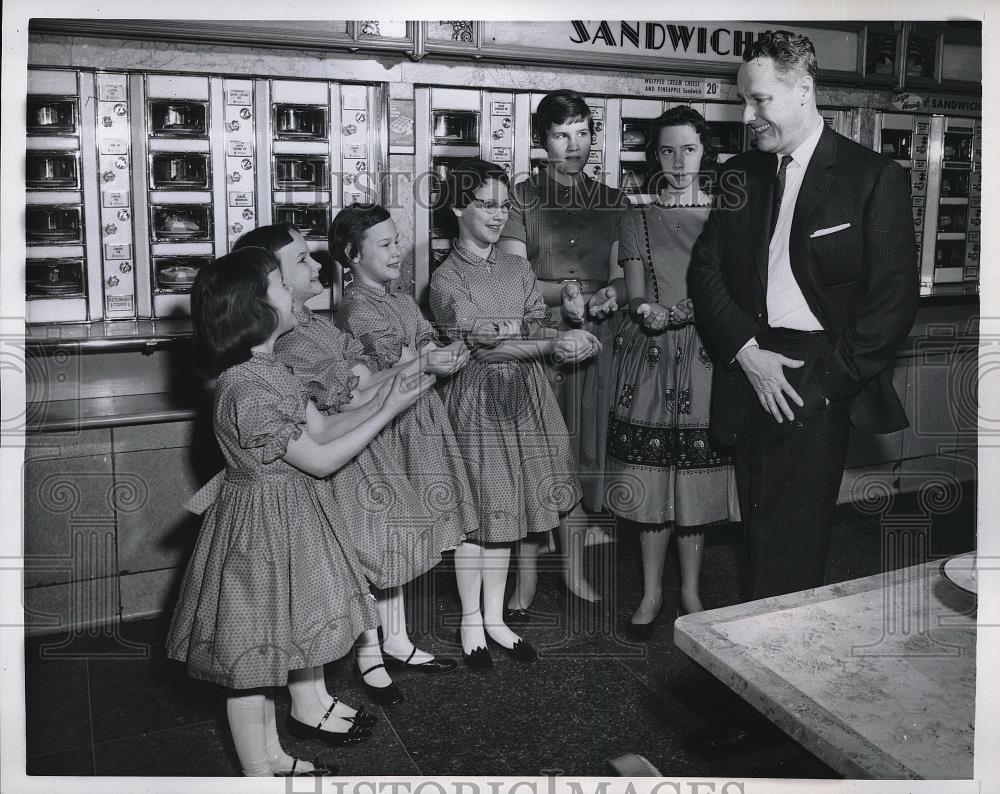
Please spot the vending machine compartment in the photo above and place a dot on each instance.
(176, 273)
(312, 220)
(954, 183)
(456, 127)
(54, 278)
(950, 253)
(177, 118)
(632, 178)
(53, 170)
(897, 144)
(56, 224)
(301, 172)
(52, 115)
(180, 171)
(952, 218)
(958, 147)
(634, 132)
(180, 222)
(726, 136)
(293, 122)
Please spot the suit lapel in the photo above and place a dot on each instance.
(816, 184)
(761, 198)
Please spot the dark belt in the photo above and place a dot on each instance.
(586, 284)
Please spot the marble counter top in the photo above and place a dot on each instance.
(875, 676)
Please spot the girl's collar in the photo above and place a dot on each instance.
(472, 257)
(303, 315)
(371, 289)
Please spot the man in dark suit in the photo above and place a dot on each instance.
(805, 283)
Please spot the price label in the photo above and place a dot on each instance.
(595, 156)
(597, 112)
(238, 96)
(501, 153)
(239, 198)
(239, 148)
(117, 251)
(501, 109)
(114, 146)
(356, 151)
(111, 92)
(115, 198)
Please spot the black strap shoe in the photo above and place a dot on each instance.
(355, 735)
(385, 696)
(435, 665)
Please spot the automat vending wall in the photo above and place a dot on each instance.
(453, 124)
(943, 156)
(137, 180)
(63, 268)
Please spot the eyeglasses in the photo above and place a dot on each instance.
(490, 205)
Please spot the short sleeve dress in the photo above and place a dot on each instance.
(421, 438)
(662, 466)
(274, 583)
(568, 232)
(508, 425)
(399, 529)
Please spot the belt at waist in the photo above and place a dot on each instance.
(586, 284)
(789, 333)
(793, 343)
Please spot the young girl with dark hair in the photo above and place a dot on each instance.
(664, 473)
(509, 428)
(397, 532)
(273, 590)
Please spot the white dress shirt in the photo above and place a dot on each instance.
(786, 306)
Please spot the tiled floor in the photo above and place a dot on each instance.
(115, 706)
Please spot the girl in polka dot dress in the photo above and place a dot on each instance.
(506, 419)
(274, 589)
(398, 526)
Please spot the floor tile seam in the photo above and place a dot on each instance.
(402, 744)
(142, 734)
(90, 720)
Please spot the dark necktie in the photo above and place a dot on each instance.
(779, 190)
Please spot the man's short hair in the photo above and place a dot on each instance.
(789, 51)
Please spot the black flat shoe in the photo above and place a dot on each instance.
(522, 651)
(320, 770)
(355, 735)
(385, 696)
(435, 665)
(363, 718)
(479, 659)
(516, 617)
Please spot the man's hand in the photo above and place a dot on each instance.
(574, 305)
(603, 302)
(764, 369)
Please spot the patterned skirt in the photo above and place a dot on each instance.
(273, 585)
(662, 466)
(515, 446)
(406, 497)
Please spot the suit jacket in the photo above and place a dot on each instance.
(861, 281)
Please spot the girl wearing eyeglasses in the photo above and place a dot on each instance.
(508, 424)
